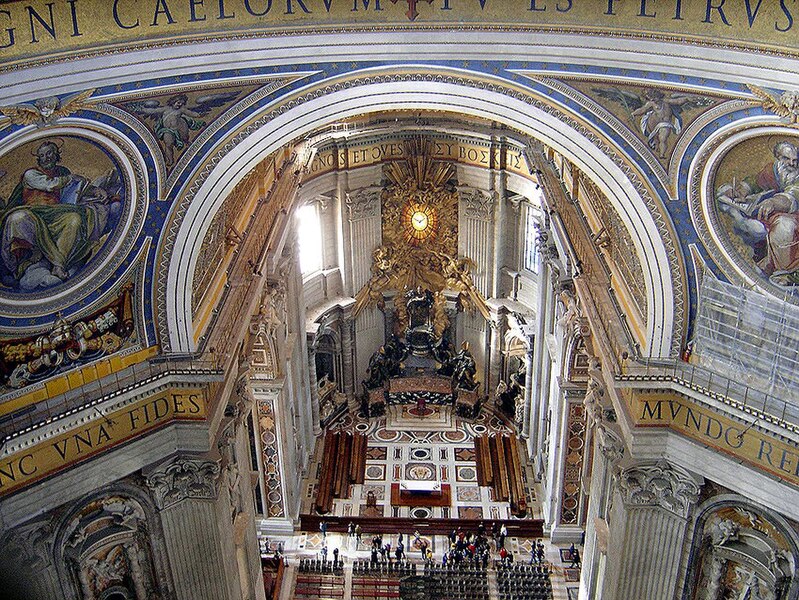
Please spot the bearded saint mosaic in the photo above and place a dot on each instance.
(756, 196)
(61, 199)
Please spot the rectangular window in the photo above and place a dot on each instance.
(532, 258)
(309, 234)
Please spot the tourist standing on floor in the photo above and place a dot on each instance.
(323, 529)
(575, 554)
(358, 533)
(350, 529)
(540, 552)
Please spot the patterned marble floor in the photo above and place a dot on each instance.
(438, 446)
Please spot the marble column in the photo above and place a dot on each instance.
(186, 492)
(345, 234)
(500, 223)
(496, 330)
(648, 523)
(548, 368)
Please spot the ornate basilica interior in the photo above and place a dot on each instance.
(278, 276)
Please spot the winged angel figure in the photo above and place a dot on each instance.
(175, 120)
(46, 111)
(659, 115)
(786, 106)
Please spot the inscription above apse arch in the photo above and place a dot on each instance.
(747, 211)
(68, 217)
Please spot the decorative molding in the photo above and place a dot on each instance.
(184, 478)
(659, 485)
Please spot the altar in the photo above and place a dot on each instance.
(420, 493)
(412, 486)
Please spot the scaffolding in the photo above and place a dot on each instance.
(749, 337)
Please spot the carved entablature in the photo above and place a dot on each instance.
(363, 203)
(183, 479)
(659, 485)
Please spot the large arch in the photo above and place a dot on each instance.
(386, 89)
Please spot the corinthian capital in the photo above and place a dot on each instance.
(184, 478)
(661, 485)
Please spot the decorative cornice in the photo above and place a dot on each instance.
(184, 478)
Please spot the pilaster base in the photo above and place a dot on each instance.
(275, 526)
(566, 534)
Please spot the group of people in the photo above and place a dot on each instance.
(467, 547)
(472, 548)
(381, 553)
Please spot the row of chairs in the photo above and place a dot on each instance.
(399, 569)
(523, 582)
(461, 567)
(317, 565)
(457, 582)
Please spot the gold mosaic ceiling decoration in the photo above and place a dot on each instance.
(420, 233)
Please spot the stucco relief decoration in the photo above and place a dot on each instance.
(786, 105)
(46, 111)
(29, 546)
(752, 205)
(363, 203)
(68, 344)
(659, 485)
(63, 200)
(478, 204)
(107, 550)
(742, 554)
